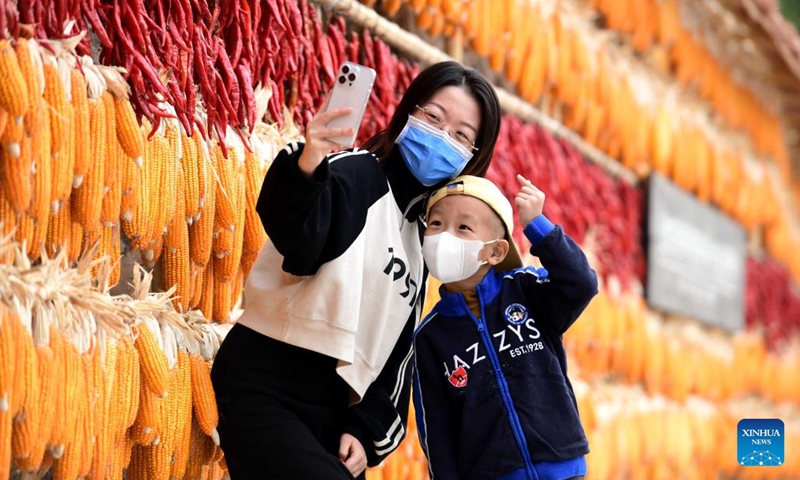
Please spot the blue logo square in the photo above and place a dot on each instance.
(760, 442)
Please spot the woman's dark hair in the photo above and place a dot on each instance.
(428, 82)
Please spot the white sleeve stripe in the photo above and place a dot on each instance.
(337, 155)
(394, 397)
(394, 444)
(290, 148)
(398, 384)
(389, 434)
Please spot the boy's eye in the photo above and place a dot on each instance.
(434, 223)
(464, 227)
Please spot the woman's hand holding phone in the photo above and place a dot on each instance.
(317, 135)
(336, 128)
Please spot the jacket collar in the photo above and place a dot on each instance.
(454, 305)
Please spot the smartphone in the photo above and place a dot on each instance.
(351, 89)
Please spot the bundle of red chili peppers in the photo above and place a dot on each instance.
(772, 303)
(212, 54)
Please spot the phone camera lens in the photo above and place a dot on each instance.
(352, 76)
(342, 79)
(345, 69)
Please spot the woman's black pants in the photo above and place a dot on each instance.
(281, 409)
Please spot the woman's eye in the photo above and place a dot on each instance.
(464, 227)
(434, 223)
(434, 117)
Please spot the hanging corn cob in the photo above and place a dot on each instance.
(15, 165)
(227, 243)
(64, 168)
(203, 400)
(81, 92)
(138, 224)
(26, 429)
(161, 181)
(201, 233)
(175, 257)
(255, 170)
(13, 91)
(112, 190)
(191, 178)
(55, 94)
(7, 380)
(226, 181)
(223, 299)
(206, 303)
(87, 199)
(154, 366)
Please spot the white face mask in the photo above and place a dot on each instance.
(451, 259)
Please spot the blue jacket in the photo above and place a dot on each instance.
(492, 396)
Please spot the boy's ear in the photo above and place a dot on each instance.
(498, 252)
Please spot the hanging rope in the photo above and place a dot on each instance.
(418, 49)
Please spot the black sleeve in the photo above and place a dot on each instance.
(312, 221)
(570, 283)
(379, 420)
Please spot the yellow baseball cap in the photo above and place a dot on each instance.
(488, 192)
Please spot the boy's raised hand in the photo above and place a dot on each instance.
(529, 201)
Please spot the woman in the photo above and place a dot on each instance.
(313, 381)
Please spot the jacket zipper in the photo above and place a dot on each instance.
(516, 426)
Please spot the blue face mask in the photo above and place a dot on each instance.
(431, 154)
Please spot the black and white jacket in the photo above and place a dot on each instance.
(343, 275)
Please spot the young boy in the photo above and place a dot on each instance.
(492, 397)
